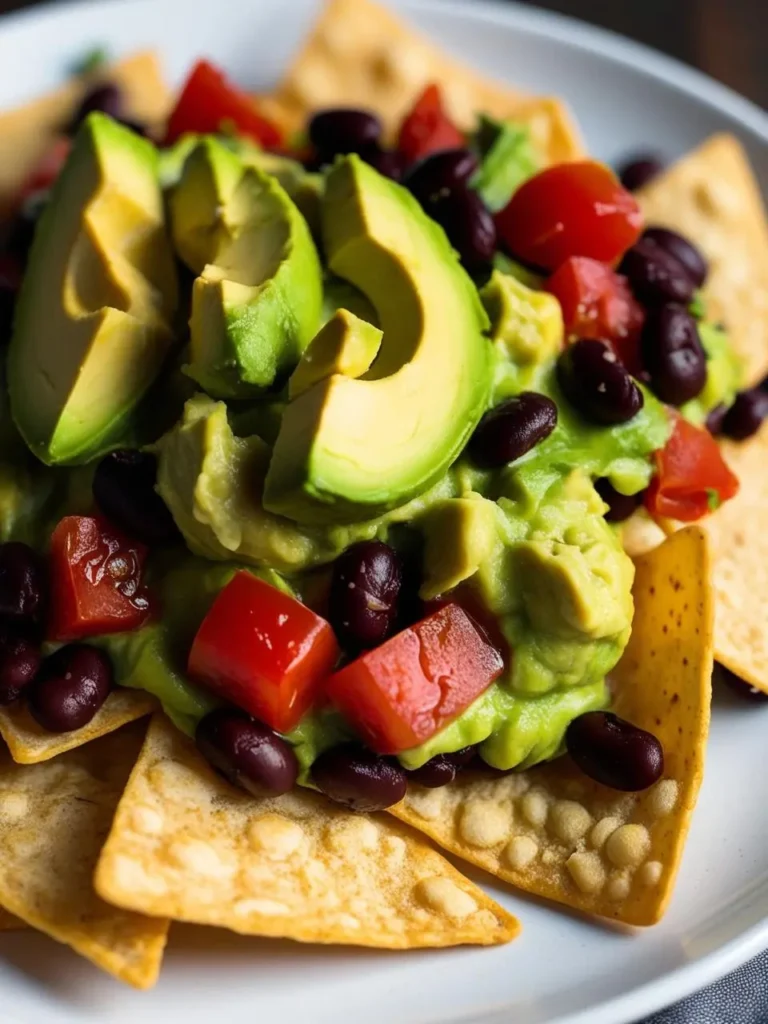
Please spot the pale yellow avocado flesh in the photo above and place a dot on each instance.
(93, 321)
(346, 345)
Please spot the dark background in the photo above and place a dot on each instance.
(726, 38)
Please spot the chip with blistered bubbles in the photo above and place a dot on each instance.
(188, 846)
(554, 832)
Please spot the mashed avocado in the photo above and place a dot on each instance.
(724, 373)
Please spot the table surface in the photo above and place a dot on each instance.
(725, 38)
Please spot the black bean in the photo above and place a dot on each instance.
(614, 752)
(343, 130)
(596, 383)
(363, 602)
(714, 421)
(469, 225)
(511, 429)
(655, 275)
(107, 99)
(358, 778)
(683, 250)
(673, 355)
(620, 506)
(389, 162)
(22, 585)
(70, 688)
(441, 769)
(247, 752)
(742, 689)
(19, 663)
(124, 490)
(639, 171)
(440, 173)
(746, 415)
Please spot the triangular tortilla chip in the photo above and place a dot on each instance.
(712, 197)
(552, 831)
(29, 743)
(186, 845)
(54, 818)
(360, 52)
(26, 133)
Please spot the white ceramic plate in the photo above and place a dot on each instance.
(563, 970)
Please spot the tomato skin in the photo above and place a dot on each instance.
(689, 470)
(428, 128)
(400, 694)
(264, 651)
(209, 101)
(598, 303)
(95, 580)
(574, 209)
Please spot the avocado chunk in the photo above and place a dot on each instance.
(352, 448)
(93, 317)
(258, 296)
(345, 345)
(507, 160)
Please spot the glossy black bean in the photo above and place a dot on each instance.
(358, 778)
(746, 415)
(615, 752)
(19, 663)
(469, 225)
(441, 172)
(673, 355)
(638, 171)
(620, 506)
(389, 162)
(71, 686)
(596, 383)
(365, 588)
(656, 276)
(343, 130)
(247, 752)
(107, 99)
(511, 429)
(124, 490)
(441, 769)
(683, 250)
(735, 683)
(714, 421)
(22, 582)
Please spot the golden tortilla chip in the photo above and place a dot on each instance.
(8, 922)
(360, 51)
(186, 845)
(29, 743)
(54, 818)
(26, 133)
(551, 830)
(712, 197)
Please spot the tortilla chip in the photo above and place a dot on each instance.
(8, 922)
(27, 132)
(552, 831)
(186, 845)
(712, 196)
(360, 51)
(29, 743)
(54, 818)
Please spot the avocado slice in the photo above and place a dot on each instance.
(258, 296)
(346, 344)
(93, 317)
(348, 448)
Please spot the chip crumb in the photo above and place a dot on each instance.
(444, 896)
(604, 828)
(587, 871)
(485, 823)
(628, 846)
(520, 851)
(664, 797)
(650, 872)
(569, 820)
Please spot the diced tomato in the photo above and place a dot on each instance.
(575, 209)
(400, 694)
(692, 478)
(598, 303)
(428, 128)
(264, 651)
(47, 169)
(96, 580)
(209, 103)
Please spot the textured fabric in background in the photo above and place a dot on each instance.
(741, 998)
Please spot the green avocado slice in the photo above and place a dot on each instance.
(93, 317)
(257, 300)
(346, 344)
(349, 449)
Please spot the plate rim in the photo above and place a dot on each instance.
(680, 982)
